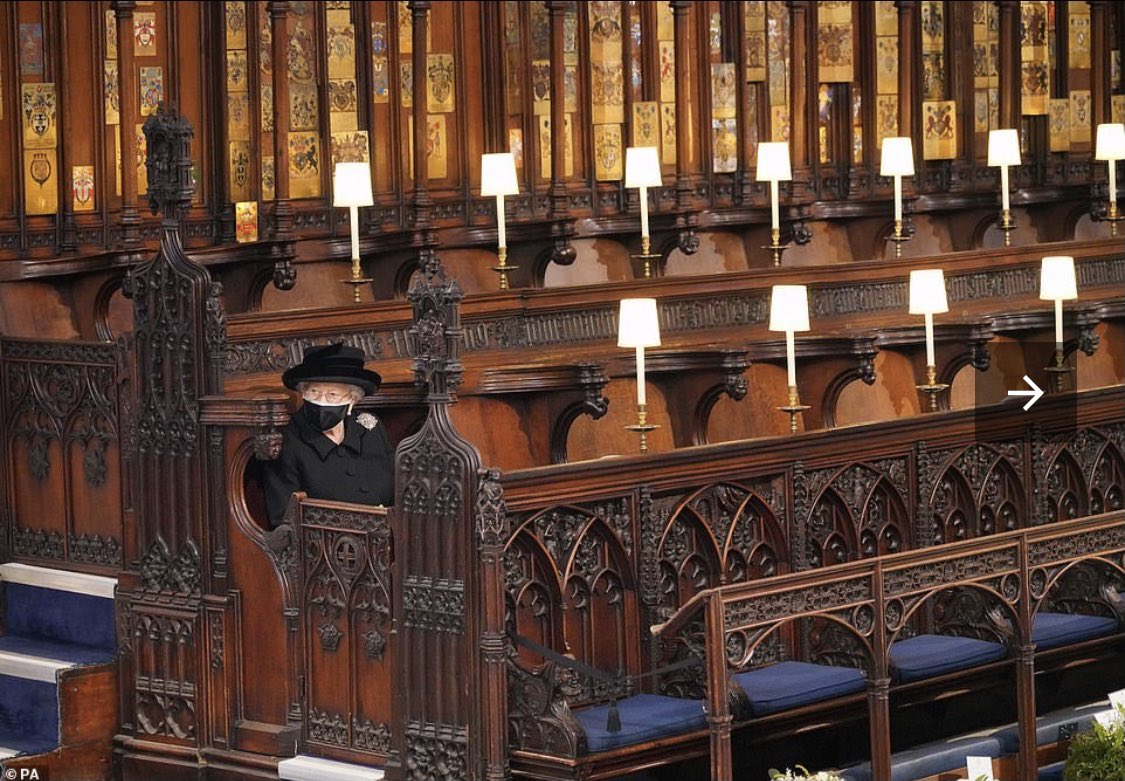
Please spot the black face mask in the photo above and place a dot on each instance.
(323, 416)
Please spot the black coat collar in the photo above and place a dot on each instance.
(318, 441)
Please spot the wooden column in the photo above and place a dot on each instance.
(744, 185)
(860, 178)
(686, 220)
(1010, 71)
(908, 57)
(127, 90)
(68, 232)
(279, 32)
(492, 536)
(959, 45)
(1100, 47)
(423, 203)
(800, 140)
(493, 67)
(562, 229)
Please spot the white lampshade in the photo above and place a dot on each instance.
(642, 167)
(927, 292)
(789, 308)
(1057, 282)
(773, 162)
(351, 185)
(638, 324)
(498, 174)
(1111, 142)
(1003, 147)
(898, 157)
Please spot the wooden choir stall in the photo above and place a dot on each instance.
(754, 372)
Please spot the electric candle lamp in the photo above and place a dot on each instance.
(898, 161)
(1003, 151)
(351, 187)
(642, 170)
(1057, 283)
(789, 312)
(498, 178)
(1111, 148)
(638, 326)
(773, 166)
(927, 297)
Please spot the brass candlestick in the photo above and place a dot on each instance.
(794, 408)
(1059, 369)
(642, 427)
(1007, 224)
(932, 387)
(502, 268)
(647, 256)
(898, 237)
(775, 246)
(357, 280)
(1113, 216)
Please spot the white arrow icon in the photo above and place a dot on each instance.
(1034, 393)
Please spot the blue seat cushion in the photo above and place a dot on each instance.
(791, 684)
(29, 709)
(643, 717)
(929, 760)
(1051, 630)
(1052, 727)
(1052, 772)
(925, 656)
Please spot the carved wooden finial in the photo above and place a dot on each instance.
(170, 185)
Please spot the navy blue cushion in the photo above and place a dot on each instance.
(30, 709)
(1051, 630)
(791, 684)
(925, 656)
(53, 614)
(643, 717)
(1051, 727)
(930, 759)
(1052, 772)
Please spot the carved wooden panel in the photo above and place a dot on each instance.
(62, 442)
(1084, 473)
(573, 566)
(970, 492)
(346, 615)
(853, 512)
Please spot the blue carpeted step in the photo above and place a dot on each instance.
(66, 654)
(13, 743)
(60, 606)
(29, 710)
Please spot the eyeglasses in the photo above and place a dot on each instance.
(327, 396)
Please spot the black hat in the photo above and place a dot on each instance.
(333, 363)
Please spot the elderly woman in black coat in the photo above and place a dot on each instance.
(326, 451)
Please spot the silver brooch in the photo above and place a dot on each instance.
(367, 420)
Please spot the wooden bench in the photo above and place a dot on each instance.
(873, 601)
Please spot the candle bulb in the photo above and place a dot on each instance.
(930, 339)
(898, 198)
(1057, 283)
(642, 193)
(1111, 148)
(641, 399)
(501, 229)
(353, 215)
(1004, 197)
(790, 359)
(775, 216)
